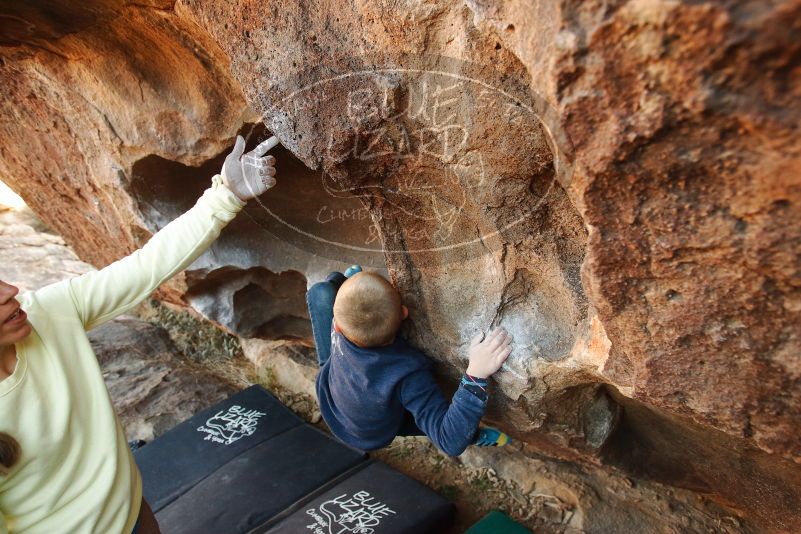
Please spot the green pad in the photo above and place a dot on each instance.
(495, 522)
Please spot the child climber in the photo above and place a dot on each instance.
(373, 385)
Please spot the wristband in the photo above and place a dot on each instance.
(477, 389)
(476, 380)
(481, 383)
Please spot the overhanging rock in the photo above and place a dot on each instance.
(633, 222)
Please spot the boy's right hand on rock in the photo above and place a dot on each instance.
(487, 354)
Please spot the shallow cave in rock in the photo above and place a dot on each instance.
(253, 279)
(254, 302)
(301, 210)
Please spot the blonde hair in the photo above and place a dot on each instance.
(368, 310)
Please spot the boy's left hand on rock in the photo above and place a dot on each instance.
(488, 354)
(249, 175)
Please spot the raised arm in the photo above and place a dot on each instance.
(101, 295)
(452, 427)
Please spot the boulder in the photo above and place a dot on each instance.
(615, 184)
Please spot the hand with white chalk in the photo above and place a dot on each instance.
(249, 175)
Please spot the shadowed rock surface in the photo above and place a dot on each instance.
(615, 183)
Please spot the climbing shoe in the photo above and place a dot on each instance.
(491, 437)
(353, 269)
(136, 444)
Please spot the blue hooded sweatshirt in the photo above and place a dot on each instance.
(364, 394)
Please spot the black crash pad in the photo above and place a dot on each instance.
(375, 499)
(259, 483)
(198, 447)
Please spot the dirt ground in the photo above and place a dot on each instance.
(474, 491)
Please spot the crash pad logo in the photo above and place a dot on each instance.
(359, 513)
(233, 424)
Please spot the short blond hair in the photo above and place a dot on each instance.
(368, 310)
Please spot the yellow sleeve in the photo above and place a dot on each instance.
(102, 295)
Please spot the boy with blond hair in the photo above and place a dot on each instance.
(373, 385)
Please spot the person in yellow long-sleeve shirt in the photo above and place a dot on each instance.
(65, 465)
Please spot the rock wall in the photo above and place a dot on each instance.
(616, 183)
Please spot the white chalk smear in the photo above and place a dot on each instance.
(506, 367)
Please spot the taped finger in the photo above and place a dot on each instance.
(239, 146)
(254, 162)
(264, 147)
